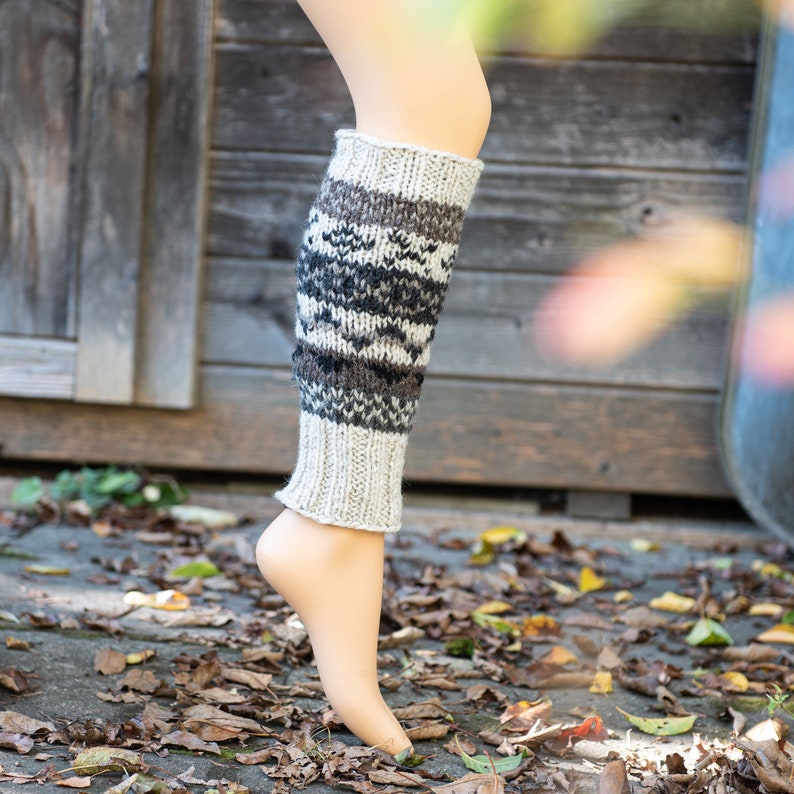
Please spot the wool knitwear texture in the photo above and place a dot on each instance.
(372, 274)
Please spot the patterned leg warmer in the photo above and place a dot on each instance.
(372, 275)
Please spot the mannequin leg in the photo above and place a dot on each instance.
(421, 87)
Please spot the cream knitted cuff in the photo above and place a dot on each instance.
(372, 274)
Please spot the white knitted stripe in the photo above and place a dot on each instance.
(411, 172)
(347, 476)
(436, 265)
(353, 324)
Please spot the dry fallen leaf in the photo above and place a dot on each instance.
(16, 741)
(559, 655)
(473, 783)
(614, 779)
(190, 741)
(108, 661)
(590, 581)
(74, 782)
(14, 722)
(98, 760)
(602, 683)
(673, 602)
(15, 644)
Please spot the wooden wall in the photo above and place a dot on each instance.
(580, 153)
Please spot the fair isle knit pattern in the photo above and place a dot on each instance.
(372, 274)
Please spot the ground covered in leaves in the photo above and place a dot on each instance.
(143, 653)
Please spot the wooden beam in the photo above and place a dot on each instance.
(37, 367)
(483, 433)
(116, 67)
(171, 274)
(565, 112)
(523, 218)
(486, 330)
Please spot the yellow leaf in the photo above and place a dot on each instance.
(558, 655)
(540, 624)
(602, 683)
(643, 545)
(494, 608)
(672, 602)
(766, 609)
(738, 681)
(498, 535)
(622, 596)
(589, 580)
(563, 593)
(482, 553)
(140, 656)
(782, 633)
(164, 599)
(47, 570)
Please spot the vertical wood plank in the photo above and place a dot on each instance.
(38, 108)
(116, 66)
(171, 283)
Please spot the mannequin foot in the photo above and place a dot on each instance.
(333, 578)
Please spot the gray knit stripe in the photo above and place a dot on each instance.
(372, 276)
(352, 204)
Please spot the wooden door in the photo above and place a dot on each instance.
(104, 111)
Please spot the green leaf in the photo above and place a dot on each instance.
(202, 568)
(663, 726)
(65, 487)
(708, 632)
(113, 482)
(460, 647)
(788, 618)
(28, 492)
(485, 763)
(483, 619)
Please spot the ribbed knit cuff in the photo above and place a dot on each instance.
(372, 275)
(347, 476)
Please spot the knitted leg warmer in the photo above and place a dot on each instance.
(372, 275)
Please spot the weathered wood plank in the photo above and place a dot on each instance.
(117, 38)
(171, 272)
(485, 330)
(716, 31)
(523, 218)
(43, 368)
(38, 107)
(562, 112)
(488, 433)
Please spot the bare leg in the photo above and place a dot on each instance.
(411, 83)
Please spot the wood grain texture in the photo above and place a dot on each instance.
(709, 31)
(486, 330)
(38, 110)
(42, 368)
(523, 218)
(116, 58)
(504, 434)
(171, 273)
(563, 112)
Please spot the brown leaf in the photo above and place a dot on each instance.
(216, 694)
(753, 653)
(74, 782)
(771, 765)
(140, 680)
(426, 710)
(247, 677)
(16, 741)
(190, 741)
(562, 681)
(387, 777)
(427, 731)
(212, 724)
(103, 623)
(458, 744)
(13, 680)
(96, 760)
(613, 779)
(108, 661)
(15, 644)
(473, 784)
(14, 722)
(524, 714)
(643, 617)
